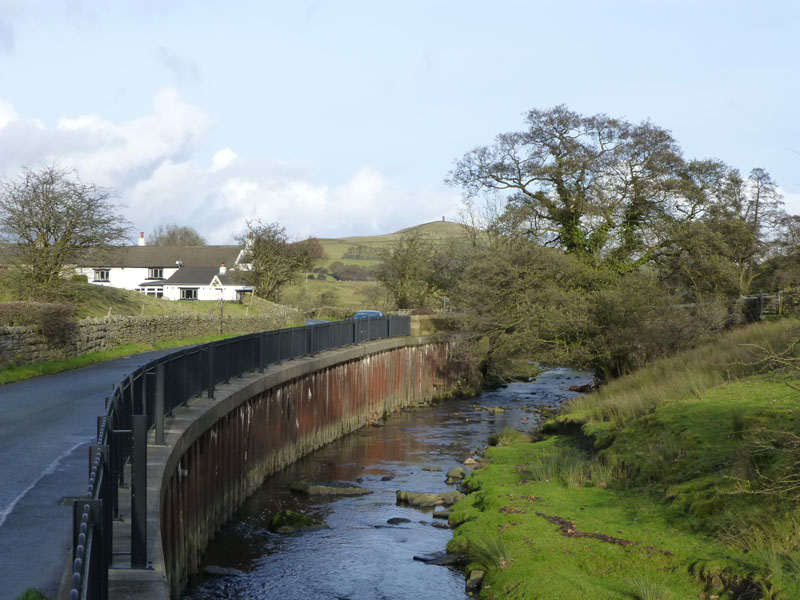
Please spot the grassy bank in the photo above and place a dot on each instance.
(679, 481)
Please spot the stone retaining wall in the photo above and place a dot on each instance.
(219, 451)
(26, 345)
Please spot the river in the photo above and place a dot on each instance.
(361, 556)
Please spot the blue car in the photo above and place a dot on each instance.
(367, 314)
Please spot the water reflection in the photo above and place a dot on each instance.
(360, 556)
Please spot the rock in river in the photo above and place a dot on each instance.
(423, 499)
(289, 521)
(455, 475)
(328, 488)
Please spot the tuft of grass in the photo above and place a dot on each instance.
(643, 587)
(490, 553)
(567, 466)
(509, 436)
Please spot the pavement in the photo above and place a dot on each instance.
(46, 427)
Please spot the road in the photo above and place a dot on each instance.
(46, 426)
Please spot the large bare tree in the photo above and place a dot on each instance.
(272, 260)
(176, 235)
(48, 217)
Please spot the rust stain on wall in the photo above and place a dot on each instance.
(273, 429)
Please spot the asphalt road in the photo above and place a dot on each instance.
(46, 426)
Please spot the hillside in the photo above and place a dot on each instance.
(337, 248)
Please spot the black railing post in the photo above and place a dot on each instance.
(211, 376)
(159, 416)
(139, 493)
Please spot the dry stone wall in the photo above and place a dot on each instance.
(26, 345)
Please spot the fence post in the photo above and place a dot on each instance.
(160, 404)
(139, 493)
(211, 377)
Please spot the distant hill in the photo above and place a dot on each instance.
(365, 249)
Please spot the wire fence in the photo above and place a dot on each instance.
(141, 401)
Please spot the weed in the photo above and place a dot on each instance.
(644, 588)
(510, 436)
(491, 553)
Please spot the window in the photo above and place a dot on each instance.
(158, 292)
(101, 275)
(188, 293)
(155, 273)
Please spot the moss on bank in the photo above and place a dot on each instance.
(695, 496)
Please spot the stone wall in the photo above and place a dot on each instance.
(26, 345)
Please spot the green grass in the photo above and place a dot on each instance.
(32, 594)
(737, 354)
(693, 460)
(351, 295)
(12, 374)
(544, 563)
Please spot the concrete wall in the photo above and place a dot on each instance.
(220, 451)
(26, 345)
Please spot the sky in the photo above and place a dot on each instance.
(344, 117)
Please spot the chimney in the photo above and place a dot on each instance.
(222, 269)
(141, 238)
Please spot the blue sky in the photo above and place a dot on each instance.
(343, 118)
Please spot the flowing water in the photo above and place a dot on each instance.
(361, 556)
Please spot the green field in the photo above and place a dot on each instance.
(678, 481)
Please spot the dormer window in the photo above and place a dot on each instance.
(101, 275)
(155, 273)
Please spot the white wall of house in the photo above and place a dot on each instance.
(127, 278)
(204, 292)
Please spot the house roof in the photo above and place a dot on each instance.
(162, 256)
(203, 276)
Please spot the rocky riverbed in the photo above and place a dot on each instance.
(388, 543)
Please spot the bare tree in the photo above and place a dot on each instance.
(272, 260)
(176, 235)
(49, 217)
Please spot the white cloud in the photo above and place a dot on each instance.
(152, 162)
(7, 114)
(223, 158)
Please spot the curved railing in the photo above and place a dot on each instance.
(142, 399)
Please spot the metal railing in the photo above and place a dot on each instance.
(142, 399)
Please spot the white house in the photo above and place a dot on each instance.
(205, 283)
(147, 269)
